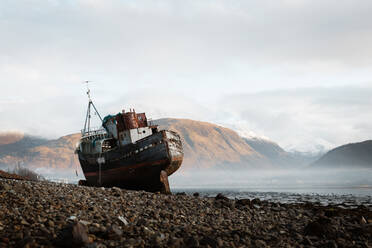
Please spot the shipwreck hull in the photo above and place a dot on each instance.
(135, 166)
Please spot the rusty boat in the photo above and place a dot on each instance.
(128, 151)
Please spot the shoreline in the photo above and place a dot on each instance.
(34, 214)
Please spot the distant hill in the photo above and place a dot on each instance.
(350, 155)
(16, 144)
(10, 137)
(208, 145)
(205, 146)
(35, 152)
(278, 156)
(271, 151)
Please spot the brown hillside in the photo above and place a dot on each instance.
(10, 137)
(205, 145)
(58, 154)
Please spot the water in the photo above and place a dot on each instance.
(282, 186)
(344, 197)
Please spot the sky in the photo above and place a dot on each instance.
(296, 72)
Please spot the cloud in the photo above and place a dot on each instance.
(176, 58)
(260, 44)
(304, 118)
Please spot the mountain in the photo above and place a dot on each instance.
(35, 152)
(271, 151)
(350, 155)
(205, 146)
(10, 137)
(208, 145)
(17, 143)
(278, 156)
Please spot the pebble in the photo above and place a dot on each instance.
(34, 214)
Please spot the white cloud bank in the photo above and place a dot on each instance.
(305, 118)
(178, 58)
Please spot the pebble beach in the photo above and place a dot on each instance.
(46, 214)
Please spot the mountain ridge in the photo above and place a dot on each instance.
(206, 146)
(358, 154)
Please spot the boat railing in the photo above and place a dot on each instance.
(150, 122)
(95, 131)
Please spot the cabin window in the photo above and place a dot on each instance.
(144, 131)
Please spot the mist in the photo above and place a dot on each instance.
(274, 178)
(289, 179)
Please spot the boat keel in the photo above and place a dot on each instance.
(165, 189)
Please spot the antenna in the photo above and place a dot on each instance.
(88, 90)
(88, 116)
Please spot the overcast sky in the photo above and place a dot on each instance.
(295, 71)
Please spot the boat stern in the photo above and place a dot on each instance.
(174, 150)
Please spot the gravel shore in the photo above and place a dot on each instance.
(35, 214)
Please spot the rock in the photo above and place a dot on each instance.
(192, 242)
(196, 194)
(331, 212)
(141, 219)
(123, 220)
(175, 242)
(79, 234)
(243, 202)
(72, 217)
(27, 243)
(114, 232)
(256, 201)
(256, 206)
(307, 241)
(96, 245)
(84, 222)
(260, 243)
(220, 196)
(51, 223)
(75, 235)
(4, 186)
(363, 220)
(321, 227)
(116, 191)
(219, 242)
(331, 244)
(24, 222)
(206, 240)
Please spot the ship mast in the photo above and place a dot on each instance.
(88, 116)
